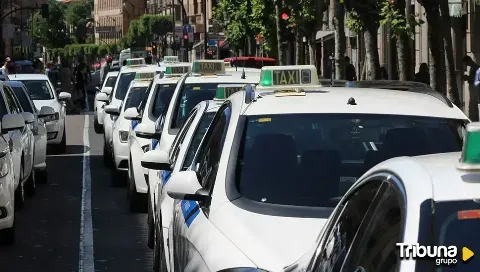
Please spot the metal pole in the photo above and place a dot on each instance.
(205, 38)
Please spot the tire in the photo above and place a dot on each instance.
(62, 146)
(96, 126)
(150, 223)
(20, 192)
(107, 157)
(7, 236)
(41, 176)
(31, 185)
(137, 201)
(159, 261)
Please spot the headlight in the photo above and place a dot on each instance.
(243, 269)
(123, 136)
(3, 164)
(146, 148)
(50, 118)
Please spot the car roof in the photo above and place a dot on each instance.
(112, 74)
(140, 83)
(213, 105)
(368, 101)
(29, 76)
(228, 78)
(143, 68)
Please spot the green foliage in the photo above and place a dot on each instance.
(400, 25)
(141, 31)
(77, 15)
(50, 32)
(363, 14)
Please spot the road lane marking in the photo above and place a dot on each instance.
(86, 260)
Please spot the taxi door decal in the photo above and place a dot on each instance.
(154, 143)
(190, 210)
(134, 124)
(165, 176)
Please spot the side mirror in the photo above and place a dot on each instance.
(113, 110)
(107, 90)
(12, 122)
(102, 97)
(132, 114)
(46, 111)
(185, 186)
(156, 160)
(64, 96)
(146, 131)
(28, 117)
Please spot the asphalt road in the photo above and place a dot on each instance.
(49, 228)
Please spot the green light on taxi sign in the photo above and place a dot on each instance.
(226, 90)
(266, 78)
(220, 93)
(471, 148)
(291, 75)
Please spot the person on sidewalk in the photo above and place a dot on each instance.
(423, 74)
(5, 66)
(473, 76)
(66, 79)
(81, 84)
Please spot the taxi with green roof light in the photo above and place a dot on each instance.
(274, 164)
(404, 206)
(112, 106)
(135, 62)
(143, 120)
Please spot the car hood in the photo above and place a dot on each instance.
(50, 103)
(271, 242)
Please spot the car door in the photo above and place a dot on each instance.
(15, 137)
(191, 223)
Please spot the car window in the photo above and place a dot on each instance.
(180, 138)
(190, 95)
(163, 95)
(23, 99)
(3, 107)
(11, 103)
(123, 82)
(111, 81)
(38, 89)
(343, 227)
(197, 138)
(135, 97)
(375, 246)
(326, 153)
(211, 150)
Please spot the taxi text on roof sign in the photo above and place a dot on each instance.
(145, 76)
(177, 70)
(470, 159)
(134, 62)
(300, 75)
(170, 59)
(208, 67)
(226, 90)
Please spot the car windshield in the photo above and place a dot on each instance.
(23, 99)
(123, 83)
(135, 97)
(197, 138)
(324, 154)
(111, 81)
(190, 95)
(163, 94)
(453, 225)
(38, 89)
(3, 109)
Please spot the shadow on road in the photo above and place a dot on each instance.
(71, 150)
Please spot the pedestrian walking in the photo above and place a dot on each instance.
(66, 84)
(350, 73)
(80, 84)
(105, 68)
(5, 66)
(473, 76)
(383, 73)
(423, 74)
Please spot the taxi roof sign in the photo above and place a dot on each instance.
(136, 62)
(228, 64)
(470, 159)
(145, 75)
(171, 70)
(170, 59)
(298, 75)
(226, 90)
(208, 67)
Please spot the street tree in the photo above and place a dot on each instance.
(50, 32)
(232, 15)
(151, 25)
(262, 21)
(337, 23)
(77, 15)
(135, 34)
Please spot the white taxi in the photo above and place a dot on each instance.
(275, 161)
(7, 191)
(101, 98)
(125, 77)
(406, 202)
(154, 104)
(43, 93)
(136, 92)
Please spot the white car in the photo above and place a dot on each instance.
(39, 130)
(136, 92)
(154, 104)
(43, 93)
(125, 77)
(405, 202)
(18, 133)
(275, 161)
(7, 191)
(101, 98)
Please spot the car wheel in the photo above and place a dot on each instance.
(31, 185)
(159, 261)
(41, 176)
(7, 235)
(107, 158)
(62, 146)
(150, 223)
(20, 192)
(96, 126)
(137, 201)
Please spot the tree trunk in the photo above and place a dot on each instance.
(451, 80)
(371, 55)
(404, 52)
(278, 14)
(435, 45)
(338, 21)
(299, 54)
(312, 49)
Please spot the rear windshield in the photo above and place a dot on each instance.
(38, 89)
(123, 83)
(23, 99)
(190, 95)
(163, 94)
(197, 138)
(313, 159)
(135, 97)
(111, 81)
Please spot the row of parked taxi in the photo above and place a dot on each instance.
(32, 116)
(268, 170)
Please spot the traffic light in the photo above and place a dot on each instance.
(44, 11)
(285, 16)
(185, 42)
